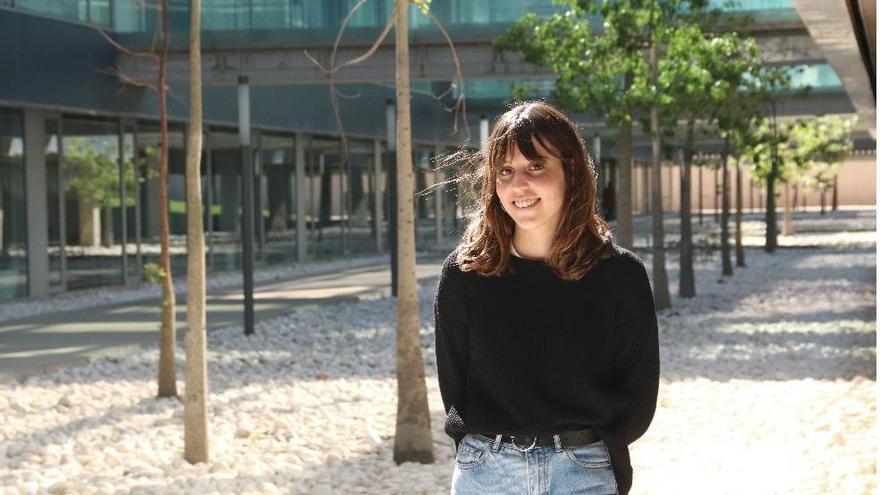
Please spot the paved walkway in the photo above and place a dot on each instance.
(46, 342)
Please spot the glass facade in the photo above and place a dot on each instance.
(819, 77)
(458, 16)
(13, 223)
(96, 11)
(222, 197)
(277, 199)
(147, 162)
(92, 202)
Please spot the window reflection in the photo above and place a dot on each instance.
(149, 144)
(90, 174)
(13, 224)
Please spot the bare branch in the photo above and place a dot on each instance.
(132, 53)
(315, 61)
(460, 104)
(342, 30)
(128, 79)
(369, 53)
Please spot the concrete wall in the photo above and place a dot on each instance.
(856, 187)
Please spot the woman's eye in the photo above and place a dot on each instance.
(537, 166)
(504, 172)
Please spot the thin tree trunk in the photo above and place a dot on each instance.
(168, 333)
(715, 195)
(700, 195)
(787, 225)
(624, 183)
(751, 196)
(106, 226)
(794, 199)
(770, 240)
(412, 435)
(726, 266)
(740, 252)
(661, 283)
(834, 195)
(686, 286)
(195, 404)
(822, 201)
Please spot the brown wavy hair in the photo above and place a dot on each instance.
(582, 237)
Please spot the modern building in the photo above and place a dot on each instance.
(78, 168)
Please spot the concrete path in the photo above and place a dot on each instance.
(39, 344)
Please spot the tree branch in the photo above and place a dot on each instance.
(460, 104)
(132, 53)
(127, 79)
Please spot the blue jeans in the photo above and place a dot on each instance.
(484, 467)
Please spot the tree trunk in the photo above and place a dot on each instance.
(661, 284)
(726, 266)
(740, 252)
(700, 195)
(715, 191)
(412, 435)
(751, 196)
(822, 201)
(834, 195)
(770, 217)
(625, 231)
(770, 240)
(106, 226)
(787, 225)
(686, 286)
(195, 404)
(794, 199)
(167, 333)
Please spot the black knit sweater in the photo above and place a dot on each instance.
(530, 353)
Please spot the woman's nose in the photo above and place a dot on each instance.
(520, 179)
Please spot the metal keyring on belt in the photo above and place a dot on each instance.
(517, 447)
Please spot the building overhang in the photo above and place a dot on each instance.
(837, 26)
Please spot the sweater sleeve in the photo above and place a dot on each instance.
(451, 345)
(635, 372)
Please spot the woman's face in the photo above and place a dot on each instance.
(532, 192)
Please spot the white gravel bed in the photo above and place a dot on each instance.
(768, 387)
(843, 228)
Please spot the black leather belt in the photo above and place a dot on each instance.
(572, 438)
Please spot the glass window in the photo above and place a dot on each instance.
(226, 14)
(54, 198)
(128, 16)
(370, 14)
(819, 77)
(147, 160)
(99, 12)
(324, 179)
(96, 11)
(13, 222)
(277, 187)
(71, 10)
(360, 184)
(90, 170)
(750, 5)
(224, 226)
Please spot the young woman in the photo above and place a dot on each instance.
(546, 336)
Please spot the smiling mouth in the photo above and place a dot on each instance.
(526, 203)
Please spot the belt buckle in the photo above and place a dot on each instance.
(517, 447)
